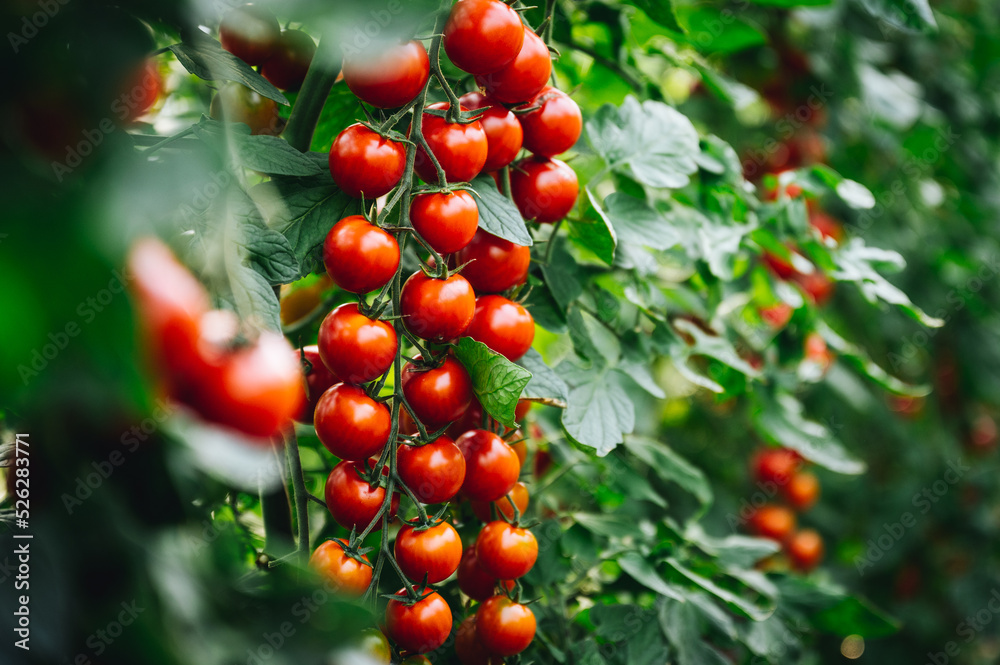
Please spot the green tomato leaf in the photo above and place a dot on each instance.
(650, 142)
(498, 214)
(545, 385)
(599, 412)
(267, 154)
(680, 624)
(497, 382)
(562, 276)
(748, 609)
(205, 58)
(304, 210)
(670, 466)
(781, 420)
(638, 223)
(599, 235)
(642, 571)
(661, 11)
(858, 358)
(906, 15)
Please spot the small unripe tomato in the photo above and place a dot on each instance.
(237, 103)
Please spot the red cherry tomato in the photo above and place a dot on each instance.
(251, 33)
(434, 471)
(318, 379)
(351, 424)
(805, 550)
(237, 103)
(363, 163)
(347, 575)
(360, 257)
(802, 490)
(460, 149)
(434, 552)
(777, 316)
(475, 582)
(287, 68)
(482, 36)
(494, 264)
(827, 226)
(774, 522)
(389, 78)
(503, 325)
(775, 465)
(555, 126)
(354, 347)
(503, 131)
(524, 77)
(437, 395)
(782, 268)
(169, 303)
(491, 466)
(520, 496)
(351, 500)
(141, 90)
(504, 627)
(506, 551)
(469, 649)
(544, 190)
(438, 310)
(816, 285)
(446, 220)
(420, 627)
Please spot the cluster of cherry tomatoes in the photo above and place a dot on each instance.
(780, 470)
(446, 448)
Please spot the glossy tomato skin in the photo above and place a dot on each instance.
(347, 575)
(363, 163)
(493, 264)
(351, 424)
(434, 552)
(421, 627)
(446, 220)
(460, 149)
(469, 649)
(251, 33)
(360, 257)
(524, 77)
(438, 310)
(802, 490)
(169, 304)
(504, 135)
(391, 77)
(437, 395)
(544, 190)
(505, 627)
(482, 36)
(520, 495)
(434, 471)
(475, 582)
(555, 126)
(773, 521)
(805, 550)
(257, 389)
(356, 348)
(505, 551)
(352, 502)
(287, 67)
(237, 103)
(491, 466)
(775, 465)
(503, 325)
(318, 379)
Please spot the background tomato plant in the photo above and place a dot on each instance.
(761, 186)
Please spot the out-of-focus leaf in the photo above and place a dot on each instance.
(670, 466)
(908, 15)
(267, 154)
(743, 606)
(859, 359)
(642, 571)
(205, 58)
(680, 624)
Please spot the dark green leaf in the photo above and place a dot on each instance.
(266, 154)
(908, 15)
(670, 466)
(498, 214)
(206, 59)
(497, 382)
(642, 571)
(853, 616)
(743, 606)
(679, 621)
(661, 11)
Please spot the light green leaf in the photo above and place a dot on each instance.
(599, 235)
(599, 412)
(545, 385)
(498, 214)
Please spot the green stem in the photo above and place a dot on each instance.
(312, 96)
(552, 242)
(300, 494)
(277, 519)
(164, 142)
